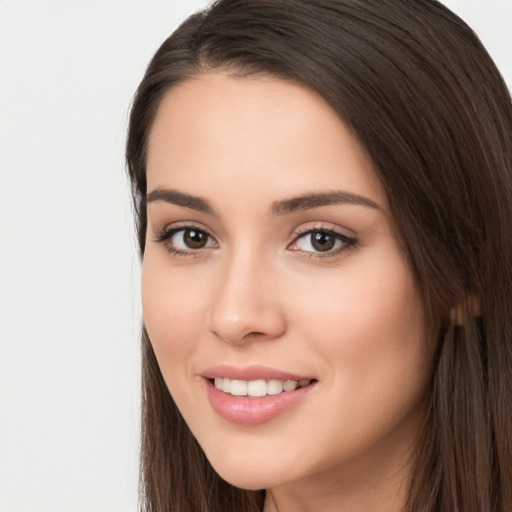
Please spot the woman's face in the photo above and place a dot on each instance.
(272, 268)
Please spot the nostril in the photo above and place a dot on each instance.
(255, 334)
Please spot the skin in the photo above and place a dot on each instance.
(259, 293)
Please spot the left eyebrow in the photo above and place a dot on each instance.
(315, 200)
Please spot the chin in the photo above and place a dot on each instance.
(246, 476)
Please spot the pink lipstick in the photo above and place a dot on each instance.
(255, 394)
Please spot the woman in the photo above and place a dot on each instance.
(323, 192)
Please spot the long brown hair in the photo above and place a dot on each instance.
(434, 115)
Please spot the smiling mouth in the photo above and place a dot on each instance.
(258, 400)
(258, 388)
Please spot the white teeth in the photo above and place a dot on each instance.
(290, 385)
(238, 387)
(257, 388)
(274, 387)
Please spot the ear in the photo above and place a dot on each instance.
(466, 310)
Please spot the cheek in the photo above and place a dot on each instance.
(369, 332)
(368, 324)
(171, 309)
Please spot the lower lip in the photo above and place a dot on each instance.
(253, 411)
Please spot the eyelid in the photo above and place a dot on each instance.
(163, 235)
(349, 242)
(308, 227)
(177, 226)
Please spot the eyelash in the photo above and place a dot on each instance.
(167, 233)
(347, 243)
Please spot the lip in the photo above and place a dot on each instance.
(244, 410)
(252, 372)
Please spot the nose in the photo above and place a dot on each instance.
(246, 306)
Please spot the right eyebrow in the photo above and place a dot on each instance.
(180, 199)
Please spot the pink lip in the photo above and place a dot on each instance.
(244, 410)
(253, 372)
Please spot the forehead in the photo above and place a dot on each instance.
(217, 128)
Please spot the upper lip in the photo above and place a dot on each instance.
(251, 372)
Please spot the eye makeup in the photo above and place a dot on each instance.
(321, 242)
(313, 241)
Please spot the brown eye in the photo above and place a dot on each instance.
(186, 240)
(322, 241)
(195, 239)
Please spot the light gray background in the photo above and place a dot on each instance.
(69, 292)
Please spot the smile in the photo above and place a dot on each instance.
(258, 388)
(254, 395)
